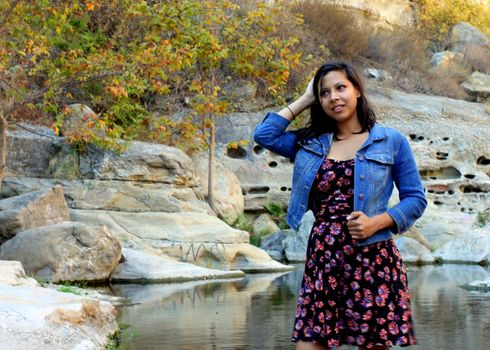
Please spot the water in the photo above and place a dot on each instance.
(256, 312)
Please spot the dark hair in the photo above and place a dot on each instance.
(319, 122)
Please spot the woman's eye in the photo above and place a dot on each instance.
(341, 87)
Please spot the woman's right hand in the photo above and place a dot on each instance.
(309, 94)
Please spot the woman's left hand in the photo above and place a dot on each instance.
(362, 226)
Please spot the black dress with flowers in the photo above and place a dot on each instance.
(356, 295)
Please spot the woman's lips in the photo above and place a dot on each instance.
(338, 108)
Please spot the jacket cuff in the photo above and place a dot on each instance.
(399, 219)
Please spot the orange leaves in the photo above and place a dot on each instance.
(117, 91)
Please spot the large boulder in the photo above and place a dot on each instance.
(477, 85)
(473, 247)
(66, 251)
(126, 196)
(463, 35)
(30, 150)
(142, 267)
(144, 162)
(228, 197)
(30, 210)
(196, 237)
(264, 225)
(295, 245)
(413, 252)
(44, 319)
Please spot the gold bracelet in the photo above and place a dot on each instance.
(292, 114)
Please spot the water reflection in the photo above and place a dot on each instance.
(256, 312)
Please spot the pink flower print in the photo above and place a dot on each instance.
(383, 334)
(330, 240)
(317, 329)
(357, 296)
(348, 250)
(332, 303)
(299, 325)
(380, 301)
(321, 317)
(332, 343)
(329, 315)
(378, 260)
(353, 325)
(367, 316)
(332, 281)
(393, 328)
(354, 285)
(402, 340)
(384, 252)
(390, 316)
(357, 274)
(383, 291)
(303, 312)
(335, 228)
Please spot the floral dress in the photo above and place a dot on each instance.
(356, 295)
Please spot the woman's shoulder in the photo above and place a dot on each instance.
(387, 131)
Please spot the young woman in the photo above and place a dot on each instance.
(354, 289)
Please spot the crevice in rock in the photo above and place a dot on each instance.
(258, 149)
(236, 153)
(258, 190)
(472, 189)
(273, 164)
(442, 155)
(469, 176)
(483, 161)
(442, 173)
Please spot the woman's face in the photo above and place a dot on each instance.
(338, 96)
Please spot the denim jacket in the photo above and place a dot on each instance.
(384, 158)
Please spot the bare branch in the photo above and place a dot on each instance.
(3, 147)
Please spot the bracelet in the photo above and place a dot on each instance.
(292, 114)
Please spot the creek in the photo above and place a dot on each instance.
(257, 311)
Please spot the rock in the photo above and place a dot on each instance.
(13, 273)
(442, 226)
(445, 59)
(81, 117)
(377, 74)
(478, 86)
(190, 237)
(144, 162)
(264, 225)
(141, 267)
(228, 197)
(273, 243)
(66, 251)
(480, 285)
(30, 150)
(155, 227)
(110, 195)
(464, 34)
(30, 210)
(295, 245)
(473, 247)
(42, 319)
(413, 252)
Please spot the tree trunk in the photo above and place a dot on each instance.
(3, 147)
(211, 166)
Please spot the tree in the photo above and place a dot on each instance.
(3, 147)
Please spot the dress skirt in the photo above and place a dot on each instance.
(355, 295)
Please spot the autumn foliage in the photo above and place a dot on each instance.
(124, 57)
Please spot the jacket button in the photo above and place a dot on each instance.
(361, 177)
(361, 196)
